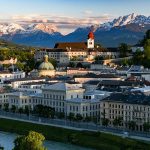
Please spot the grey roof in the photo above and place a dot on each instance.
(62, 87)
(131, 98)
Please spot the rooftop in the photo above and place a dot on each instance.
(64, 87)
(74, 45)
(130, 98)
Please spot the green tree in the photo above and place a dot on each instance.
(87, 119)
(6, 107)
(71, 116)
(33, 141)
(13, 108)
(147, 49)
(79, 117)
(124, 48)
(60, 115)
(98, 58)
(105, 122)
(132, 125)
(146, 126)
(117, 121)
(20, 110)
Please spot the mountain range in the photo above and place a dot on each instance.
(124, 29)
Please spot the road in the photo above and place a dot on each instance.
(75, 125)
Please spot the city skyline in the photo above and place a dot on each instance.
(68, 15)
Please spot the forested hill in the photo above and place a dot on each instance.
(24, 55)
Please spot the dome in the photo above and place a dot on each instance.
(91, 35)
(46, 65)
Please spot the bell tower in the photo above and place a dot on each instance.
(90, 40)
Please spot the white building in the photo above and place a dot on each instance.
(5, 75)
(15, 83)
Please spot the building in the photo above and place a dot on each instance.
(15, 83)
(46, 68)
(98, 77)
(6, 75)
(130, 107)
(63, 53)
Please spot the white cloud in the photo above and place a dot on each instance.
(67, 23)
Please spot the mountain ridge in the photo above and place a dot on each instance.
(129, 29)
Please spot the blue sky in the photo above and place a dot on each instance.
(73, 12)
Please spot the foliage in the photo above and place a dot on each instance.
(71, 64)
(95, 141)
(117, 121)
(79, 117)
(60, 115)
(143, 58)
(105, 121)
(147, 49)
(132, 125)
(44, 111)
(6, 106)
(32, 141)
(146, 126)
(98, 58)
(124, 49)
(71, 116)
(24, 55)
(13, 108)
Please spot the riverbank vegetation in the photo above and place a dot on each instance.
(96, 140)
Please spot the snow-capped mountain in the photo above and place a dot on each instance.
(10, 28)
(128, 29)
(126, 20)
(13, 28)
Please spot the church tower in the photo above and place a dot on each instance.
(90, 40)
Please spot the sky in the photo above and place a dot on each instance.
(67, 15)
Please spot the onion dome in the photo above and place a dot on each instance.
(45, 65)
(91, 35)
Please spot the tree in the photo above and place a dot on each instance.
(13, 108)
(147, 36)
(71, 64)
(105, 122)
(98, 58)
(60, 115)
(20, 110)
(124, 48)
(132, 125)
(33, 141)
(44, 111)
(79, 117)
(26, 110)
(147, 49)
(6, 107)
(71, 116)
(117, 121)
(146, 126)
(87, 119)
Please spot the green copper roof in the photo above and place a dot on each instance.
(46, 66)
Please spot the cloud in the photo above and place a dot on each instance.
(62, 22)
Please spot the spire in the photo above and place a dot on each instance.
(91, 35)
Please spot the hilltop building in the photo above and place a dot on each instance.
(65, 52)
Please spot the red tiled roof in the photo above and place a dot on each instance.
(72, 45)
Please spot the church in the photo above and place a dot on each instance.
(65, 52)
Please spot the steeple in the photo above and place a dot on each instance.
(90, 40)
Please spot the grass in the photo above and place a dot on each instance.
(96, 140)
